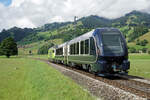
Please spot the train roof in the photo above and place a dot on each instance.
(61, 45)
(85, 36)
(82, 37)
(90, 34)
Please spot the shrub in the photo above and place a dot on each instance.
(8, 47)
(149, 51)
(144, 50)
(132, 50)
(137, 42)
(142, 43)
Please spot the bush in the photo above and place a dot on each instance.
(30, 52)
(132, 50)
(8, 47)
(144, 50)
(149, 51)
(137, 42)
(142, 43)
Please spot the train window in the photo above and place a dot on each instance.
(87, 46)
(82, 47)
(71, 49)
(77, 48)
(92, 46)
(74, 48)
(59, 51)
(53, 51)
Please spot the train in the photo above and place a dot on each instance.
(102, 51)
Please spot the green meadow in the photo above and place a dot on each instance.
(140, 65)
(28, 79)
(22, 78)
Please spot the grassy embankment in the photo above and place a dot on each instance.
(27, 79)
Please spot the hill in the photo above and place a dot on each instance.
(141, 38)
(145, 36)
(133, 25)
(17, 33)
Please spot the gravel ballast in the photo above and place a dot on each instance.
(96, 87)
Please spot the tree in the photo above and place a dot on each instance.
(30, 52)
(148, 51)
(138, 31)
(137, 42)
(9, 47)
(144, 50)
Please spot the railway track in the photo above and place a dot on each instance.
(136, 87)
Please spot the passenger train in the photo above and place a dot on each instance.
(100, 51)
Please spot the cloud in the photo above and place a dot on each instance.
(34, 13)
(24, 22)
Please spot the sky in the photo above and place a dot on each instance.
(6, 2)
(35, 13)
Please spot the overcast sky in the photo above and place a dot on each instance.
(34, 13)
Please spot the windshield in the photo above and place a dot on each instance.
(112, 43)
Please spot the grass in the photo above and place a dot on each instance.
(140, 65)
(39, 56)
(27, 79)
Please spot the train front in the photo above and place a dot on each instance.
(112, 51)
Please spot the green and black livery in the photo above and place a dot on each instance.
(101, 51)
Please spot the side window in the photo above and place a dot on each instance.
(87, 46)
(71, 49)
(59, 51)
(77, 48)
(82, 47)
(74, 48)
(92, 46)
